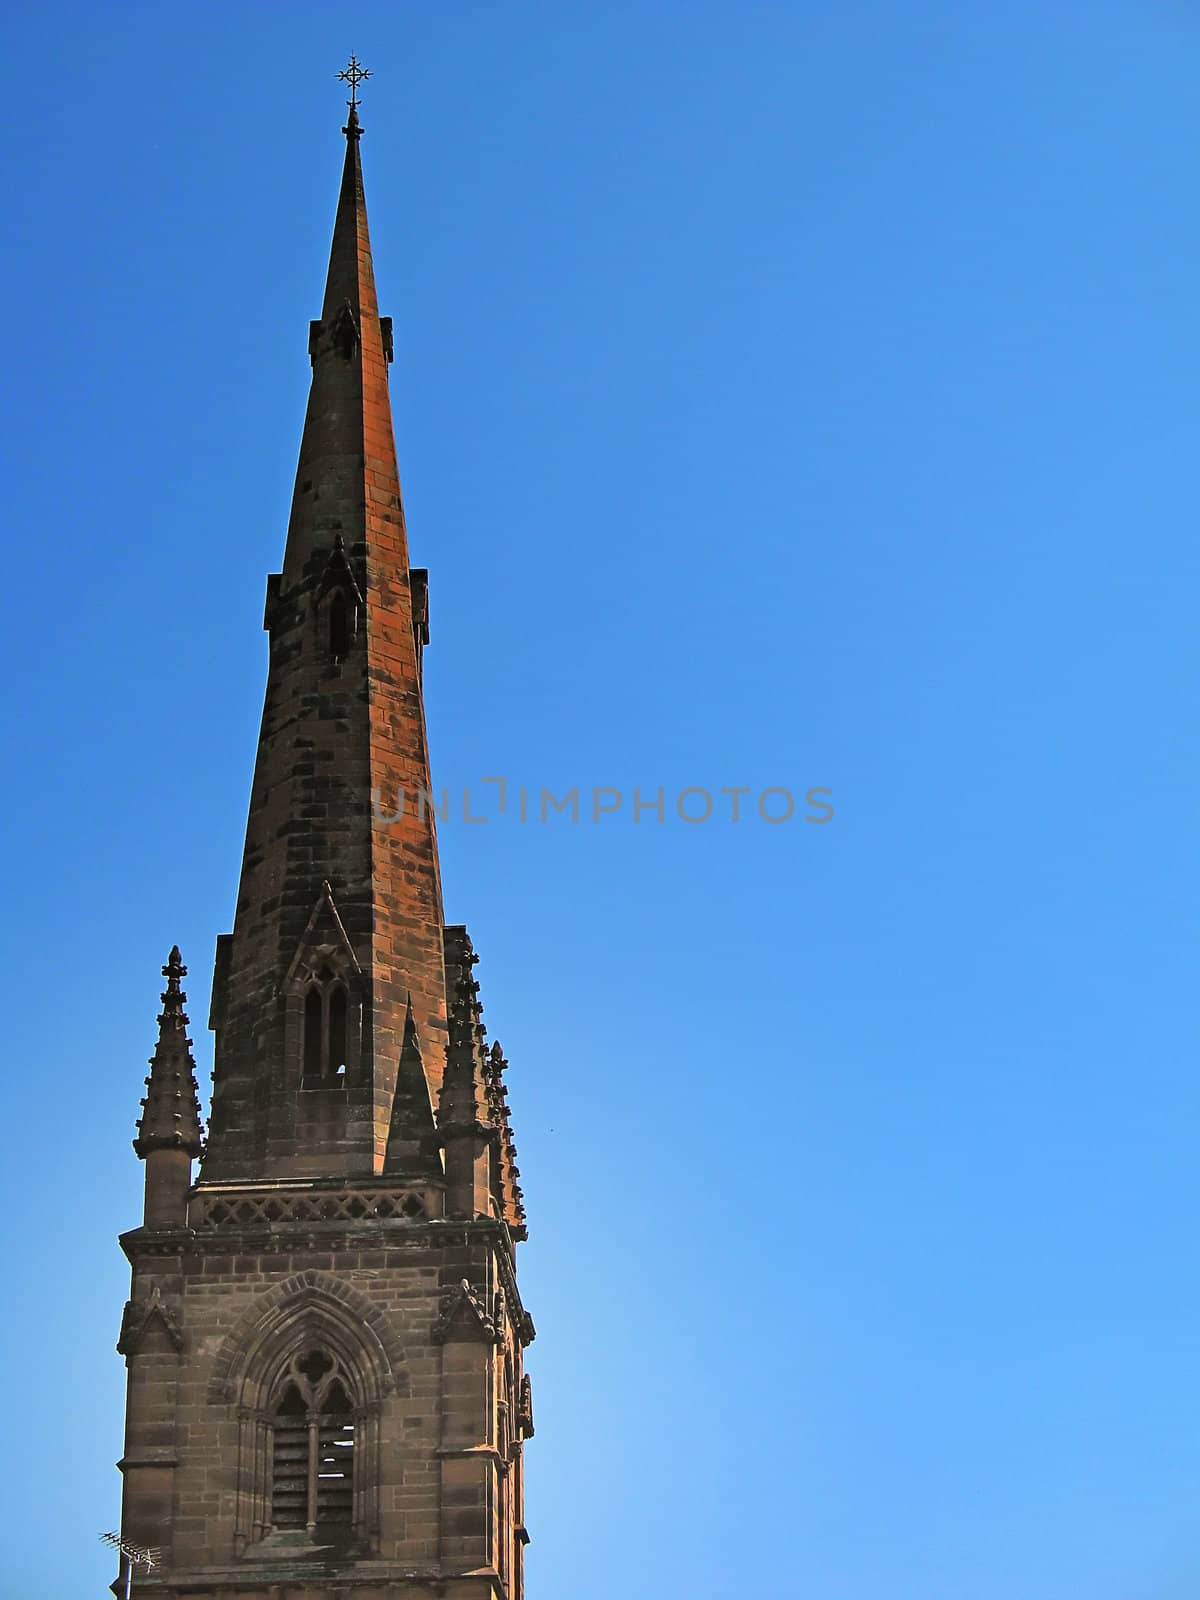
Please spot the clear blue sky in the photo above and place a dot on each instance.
(785, 395)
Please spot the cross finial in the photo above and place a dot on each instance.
(174, 969)
(353, 75)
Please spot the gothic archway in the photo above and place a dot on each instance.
(307, 1368)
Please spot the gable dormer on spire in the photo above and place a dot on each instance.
(339, 574)
(324, 940)
(338, 603)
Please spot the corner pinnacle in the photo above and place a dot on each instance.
(171, 1109)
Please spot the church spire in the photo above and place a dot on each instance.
(338, 932)
(351, 277)
(325, 1334)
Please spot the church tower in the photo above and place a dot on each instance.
(324, 1333)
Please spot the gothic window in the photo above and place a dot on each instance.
(326, 1008)
(308, 1376)
(335, 1460)
(314, 1025)
(312, 1455)
(289, 1473)
(337, 1028)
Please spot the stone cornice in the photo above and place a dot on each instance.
(148, 1458)
(298, 1575)
(144, 1245)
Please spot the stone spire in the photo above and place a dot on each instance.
(325, 1334)
(340, 883)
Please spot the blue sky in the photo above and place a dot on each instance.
(786, 395)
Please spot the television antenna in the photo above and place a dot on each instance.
(133, 1555)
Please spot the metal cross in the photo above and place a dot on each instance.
(353, 75)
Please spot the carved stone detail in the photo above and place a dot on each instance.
(525, 1410)
(463, 1314)
(230, 1209)
(343, 332)
(137, 1318)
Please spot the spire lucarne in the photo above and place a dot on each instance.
(324, 1336)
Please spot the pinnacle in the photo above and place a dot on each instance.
(465, 1098)
(171, 1109)
(508, 1170)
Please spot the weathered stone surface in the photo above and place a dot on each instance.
(324, 1335)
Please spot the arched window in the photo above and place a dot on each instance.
(289, 1472)
(335, 1459)
(314, 1012)
(326, 1031)
(304, 1373)
(312, 1456)
(337, 1028)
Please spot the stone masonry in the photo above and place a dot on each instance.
(324, 1335)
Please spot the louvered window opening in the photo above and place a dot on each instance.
(335, 1474)
(312, 1470)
